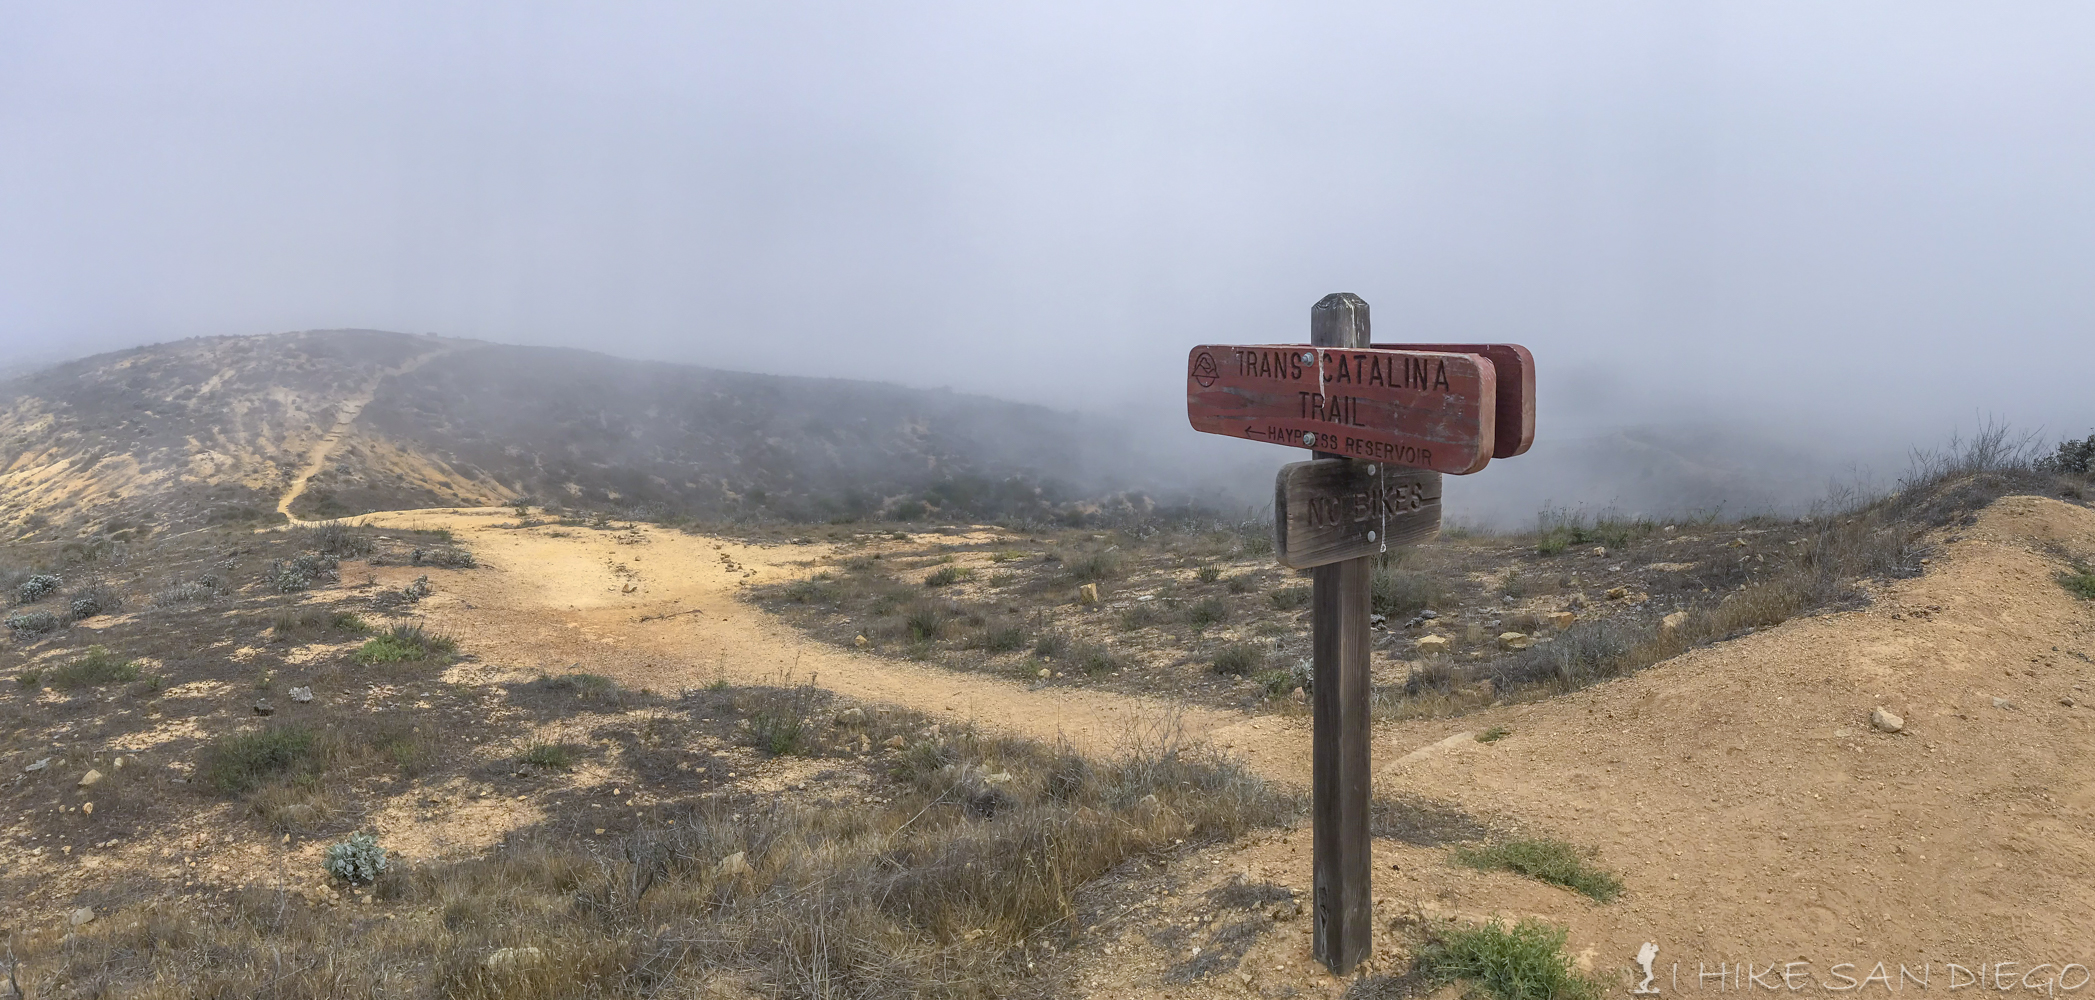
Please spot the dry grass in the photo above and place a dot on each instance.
(956, 886)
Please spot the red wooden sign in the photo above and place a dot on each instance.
(1516, 390)
(1424, 409)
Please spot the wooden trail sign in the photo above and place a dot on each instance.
(1425, 409)
(1384, 423)
(1515, 419)
(1334, 508)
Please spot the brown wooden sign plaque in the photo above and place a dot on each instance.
(1424, 409)
(1515, 419)
(1336, 508)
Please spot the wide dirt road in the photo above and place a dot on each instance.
(1739, 789)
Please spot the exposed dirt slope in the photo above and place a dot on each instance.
(1739, 789)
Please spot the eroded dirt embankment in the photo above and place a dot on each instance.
(1739, 788)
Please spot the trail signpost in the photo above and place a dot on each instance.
(1384, 422)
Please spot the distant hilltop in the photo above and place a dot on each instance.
(330, 423)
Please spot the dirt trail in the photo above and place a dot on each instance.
(346, 415)
(1738, 789)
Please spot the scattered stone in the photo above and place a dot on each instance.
(1514, 640)
(853, 716)
(1562, 619)
(1672, 623)
(117, 764)
(301, 695)
(998, 778)
(2068, 702)
(513, 958)
(1617, 593)
(90, 777)
(38, 766)
(1884, 721)
(83, 915)
(1429, 614)
(1433, 645)
(87, 808)
(1087, 594)
(1738, 543)
(2003, 703)
(1298, 696)
(263, 707)
(1044, 673)
(734, 864)
(861, 642)
(894, 742)
(1600, 551)
(1377, 619)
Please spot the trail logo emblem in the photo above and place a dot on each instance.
(1204, 371)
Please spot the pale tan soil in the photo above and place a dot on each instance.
(1738, 789)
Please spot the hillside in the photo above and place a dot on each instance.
(327, 423)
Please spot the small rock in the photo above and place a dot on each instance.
(1885, 721)
(511, 958)
(1617, 593)
(1087, 594)
(1377, 619)
(734, 864)
(2003, 703)
(1514, 640)
(1738, 543)
(998, 778)
(1429, 614)
(301, 695)
(1298, 696)
(1600, 551)
(90, 777)
(117, 764)
(1433, 645)
(87, 808)
(1672, 623)
(894, 743)
(83, 915)
(263, 707)
(38, 766)
(861, 642)
(853, 716)
(1044, 673)
(2068, 702)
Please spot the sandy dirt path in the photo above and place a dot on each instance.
(1738, 789)
(345, 417)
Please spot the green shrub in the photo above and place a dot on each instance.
(237, 763)
(1094, 567)
(1239, 660)
(553, 756)
(289, 576)
(924, 623)
(1291, 598)
(1003, 637)
(38, 587)
(30, 678)
(1240, 584)
(1544, 860)
(945, 575)
(446, 556)
(1208, 573)
(346, 621)
(1051, 645)
(1494, 734)
(333, 538)
(1276, 682)
(358, 859)
(1208, 611)
(98, 667)
(1524, 962)
(2079, 583)
(1094, 659)
(407, 643)
(30, 623)
(1397, 592)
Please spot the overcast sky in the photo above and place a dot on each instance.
(1873, 220)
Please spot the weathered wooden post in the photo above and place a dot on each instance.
(1384, 424)
(1339, 776)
